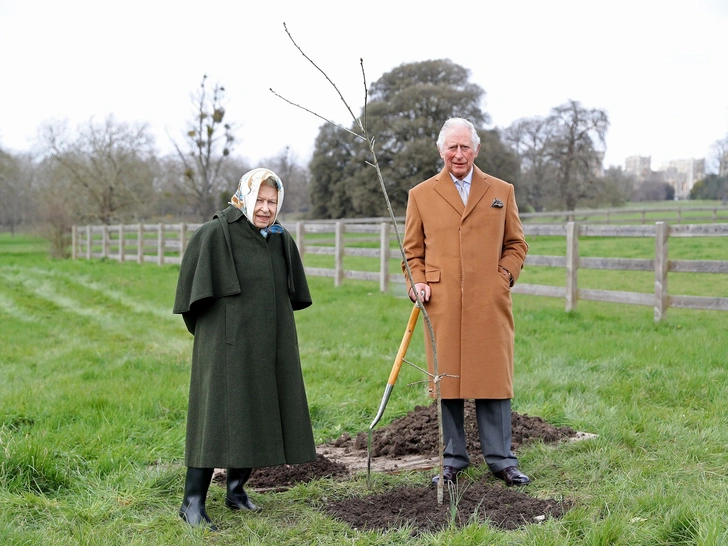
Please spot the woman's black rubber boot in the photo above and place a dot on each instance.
(193, 504)
(237, 498)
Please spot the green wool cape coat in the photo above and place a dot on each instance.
(237, 291)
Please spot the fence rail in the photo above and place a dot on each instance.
(661, 265)
(717, 213)
(165, 244)
(673, 215)
(156, 243)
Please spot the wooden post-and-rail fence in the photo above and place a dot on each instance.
(165, 244)
(156, 243)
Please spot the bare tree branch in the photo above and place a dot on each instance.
(374, 163)
(357, 135)
(322, 72)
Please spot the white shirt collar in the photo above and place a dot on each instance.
(467, 179)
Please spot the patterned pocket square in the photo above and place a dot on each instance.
(497, 203)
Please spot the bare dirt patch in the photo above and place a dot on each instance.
(417, 507)
(410, 443)
(280, 478)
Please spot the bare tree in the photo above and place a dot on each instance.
(230, 174)
(209, 142)
(720, 156)
(614, 188)
(109, 165)
(296, 178)
(560, 157)
(173, 198)
(529, 138)
(15, 182)
(56, 215)
(578, 138)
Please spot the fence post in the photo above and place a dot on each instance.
(74, 241)
(88, 242)
(300, 235)
(384, 257)
(105, 241)
(140, 243)
(339, 254)
(160, 244)
(572, 265)
(182, 239)
(661, 263)
(121, 243)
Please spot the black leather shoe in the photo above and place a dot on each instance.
(449, 475)
(512, 476)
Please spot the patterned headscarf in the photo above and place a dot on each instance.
(247, 195)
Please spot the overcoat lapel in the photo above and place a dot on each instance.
(479, 186)
(446, 188)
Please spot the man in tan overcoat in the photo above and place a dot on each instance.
(465, 247)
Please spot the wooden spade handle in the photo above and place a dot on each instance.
(414, 315)
(397, 364)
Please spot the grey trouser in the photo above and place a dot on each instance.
(494, 429)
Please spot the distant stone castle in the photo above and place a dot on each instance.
(681, 174)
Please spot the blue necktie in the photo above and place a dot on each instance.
(462, 190)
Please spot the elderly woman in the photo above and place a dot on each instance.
(240, 280)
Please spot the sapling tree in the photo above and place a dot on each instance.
(361, 132)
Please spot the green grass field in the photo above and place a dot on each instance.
(93, 397)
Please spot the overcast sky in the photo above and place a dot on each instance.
(657, 67)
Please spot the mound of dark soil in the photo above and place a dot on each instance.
(417, 507)
(285, 476)
(416, 434)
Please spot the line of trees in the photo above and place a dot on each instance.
(16, 179)
(553, 162)
(561, 158)
(110, 172)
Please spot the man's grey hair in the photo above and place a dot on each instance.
(458, 123)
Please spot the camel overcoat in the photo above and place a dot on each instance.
(237, 291)
(460, 252)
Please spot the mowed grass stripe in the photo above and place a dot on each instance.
(92, 307)
(85, 283)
